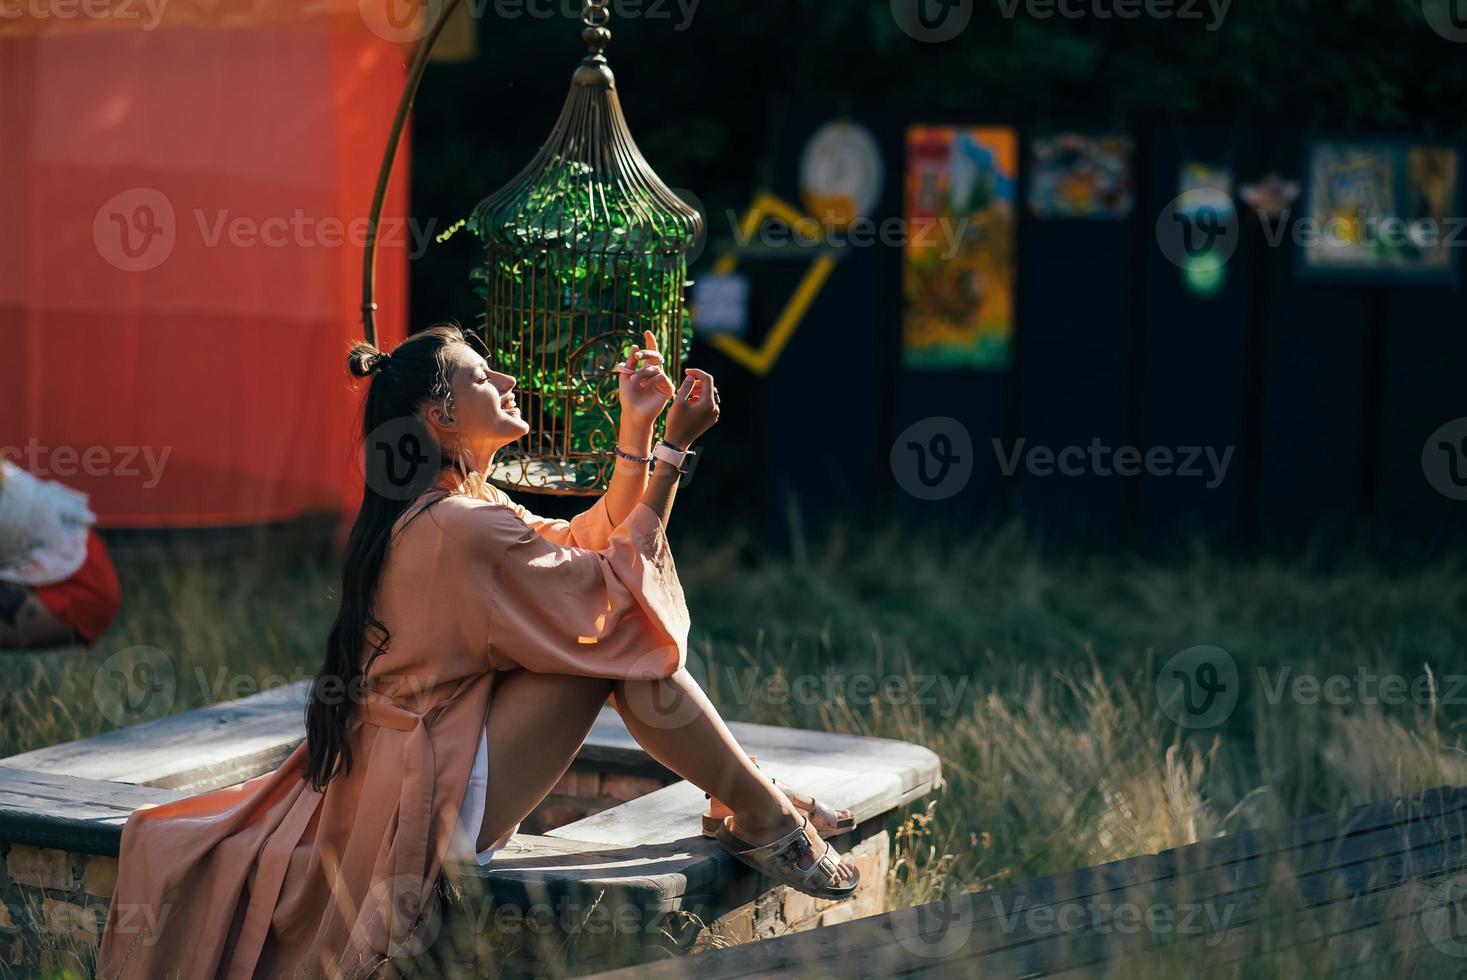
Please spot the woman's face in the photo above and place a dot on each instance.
(484, 417)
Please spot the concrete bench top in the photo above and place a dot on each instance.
(77, 795)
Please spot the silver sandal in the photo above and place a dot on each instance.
(780, 860)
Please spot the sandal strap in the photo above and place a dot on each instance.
(824, 869)
(795, 846)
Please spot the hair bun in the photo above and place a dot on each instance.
(364, 360)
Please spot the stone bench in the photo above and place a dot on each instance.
(610, 869)
(1373, 891)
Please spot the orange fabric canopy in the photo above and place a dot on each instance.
(185, 209)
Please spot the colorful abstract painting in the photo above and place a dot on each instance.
(1079, 175)
(958, 278)
(1381, 211)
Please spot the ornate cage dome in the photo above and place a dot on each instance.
(586, 247)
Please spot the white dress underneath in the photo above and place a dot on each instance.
(471, 814)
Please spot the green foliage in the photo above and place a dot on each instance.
(578, 270)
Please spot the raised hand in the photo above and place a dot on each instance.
(694, 408)
(644, 389)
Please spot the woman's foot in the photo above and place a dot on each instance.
(766, 827)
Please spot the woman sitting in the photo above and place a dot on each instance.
(475, 644)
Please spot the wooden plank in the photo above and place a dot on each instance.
(193, 751)
(85, 815)
(659, 877)
(1366, 850)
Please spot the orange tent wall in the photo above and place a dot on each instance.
(193, 375)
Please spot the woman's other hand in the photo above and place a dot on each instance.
(694, 409)
(644, 389)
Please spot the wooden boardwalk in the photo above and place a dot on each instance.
(1375, 891)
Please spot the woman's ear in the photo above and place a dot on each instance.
(441, 418)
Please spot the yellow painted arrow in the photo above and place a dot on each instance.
(759, 360)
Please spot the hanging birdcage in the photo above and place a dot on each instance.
(586, 248)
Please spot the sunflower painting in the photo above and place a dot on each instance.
(958, 278)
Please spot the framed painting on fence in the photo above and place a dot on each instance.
(1383, 211)
(1081, 175)
(958, 271)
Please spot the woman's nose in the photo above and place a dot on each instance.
(504, 383)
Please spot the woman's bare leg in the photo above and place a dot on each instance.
(26, 623)
(679, 727)
(536, 724)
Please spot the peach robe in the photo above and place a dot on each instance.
(270, 878)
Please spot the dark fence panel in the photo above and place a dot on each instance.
(1319, 398)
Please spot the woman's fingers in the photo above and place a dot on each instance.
(702, 382)
(649, 340)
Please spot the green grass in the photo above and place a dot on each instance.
(1055, 751)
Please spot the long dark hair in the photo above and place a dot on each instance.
(402, 461)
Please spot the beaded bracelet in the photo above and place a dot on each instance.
(635, 459)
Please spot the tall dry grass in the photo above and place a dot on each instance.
(1042, 662)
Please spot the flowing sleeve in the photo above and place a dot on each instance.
(617, 611)
(591, 528)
